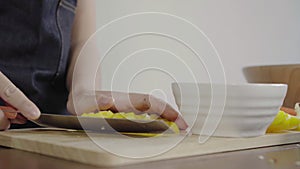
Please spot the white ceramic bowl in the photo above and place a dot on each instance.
(232, 110)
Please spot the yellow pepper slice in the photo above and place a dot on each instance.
(284, 121)
(173, 126)
(100, 114)
(130, 115)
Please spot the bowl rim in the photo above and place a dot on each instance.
(235, 84)
(272, 65)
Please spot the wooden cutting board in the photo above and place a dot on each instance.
(77, 146)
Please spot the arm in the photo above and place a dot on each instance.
(82, 76)
(84, 26)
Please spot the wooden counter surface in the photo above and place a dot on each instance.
(78, 147)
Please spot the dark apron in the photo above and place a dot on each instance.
(35, 38)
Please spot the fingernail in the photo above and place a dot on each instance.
(32, 112)
(35, 114)
(105, 102)
(181, 123)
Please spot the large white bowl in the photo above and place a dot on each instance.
(232, 110)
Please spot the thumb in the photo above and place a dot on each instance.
(13, 96)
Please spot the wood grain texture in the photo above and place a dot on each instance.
(77, 146)
(287, 74)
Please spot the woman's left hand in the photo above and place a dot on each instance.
(124, 102)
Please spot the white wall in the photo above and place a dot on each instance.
(244, 32)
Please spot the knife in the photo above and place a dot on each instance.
(96, 124)
(102, 124)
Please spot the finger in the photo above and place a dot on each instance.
(130, 102)
(172, 115)
(166, 111)
(140, 102)
(9, 112)
(19, 119)
(89, 102)
(12, 95)
(181, 123)
(104, 102)
(11, 115)
(4, 122)
(144, 103)
(16, 121)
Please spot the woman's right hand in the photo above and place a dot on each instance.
(16, 99)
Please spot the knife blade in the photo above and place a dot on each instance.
(102, 124)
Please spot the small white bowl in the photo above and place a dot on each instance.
(231, 110)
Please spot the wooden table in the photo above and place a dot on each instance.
(286, 156)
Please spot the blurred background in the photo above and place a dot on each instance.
(244, 33)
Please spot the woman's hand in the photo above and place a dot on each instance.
(82, 76)
(16, 99)
(124, 102)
